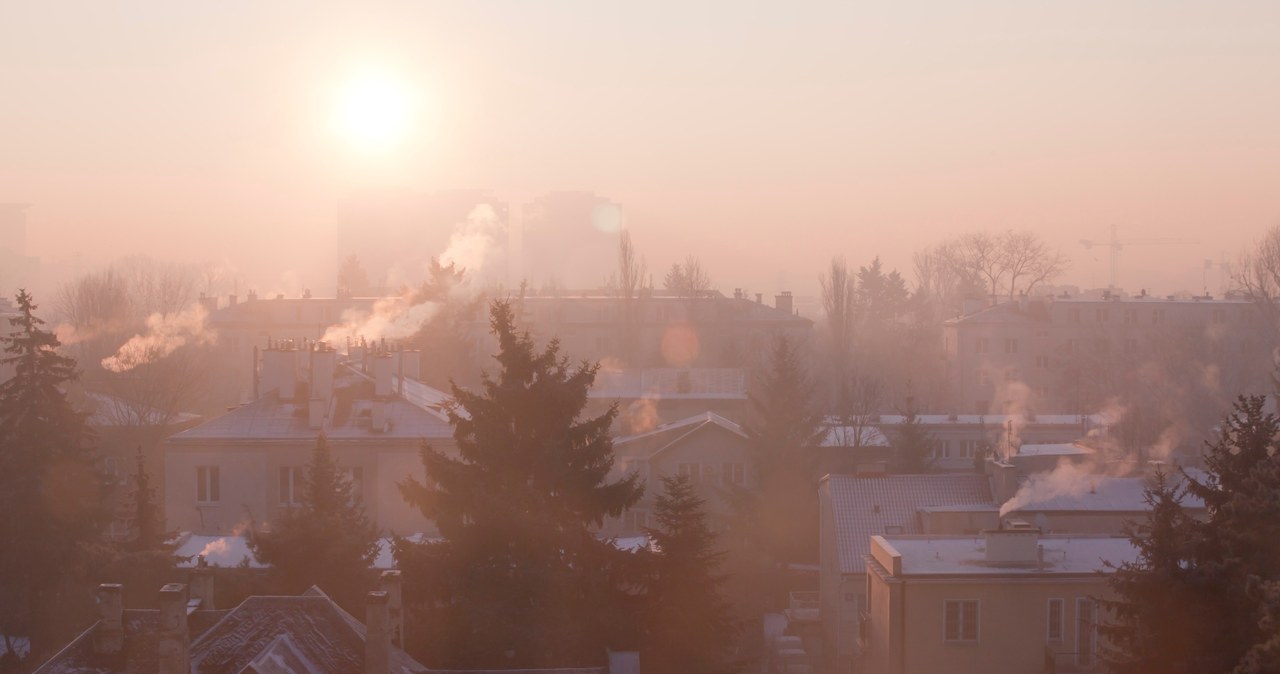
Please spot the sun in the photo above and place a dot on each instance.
(374, 111)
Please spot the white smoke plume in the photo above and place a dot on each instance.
(473, 244)
(1067, 479)
(164, 335)
(390, 318)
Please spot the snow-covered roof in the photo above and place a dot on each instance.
(269, 419)
(862, 507)
(1054, 449)
(1042, 492)
(955, 555)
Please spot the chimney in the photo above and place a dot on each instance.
(759, 298)
(210, 304)
(382, 369)
(253, 295)
(1004, 480)
(391, 585)
(411, 362)
(279, 372)
(1016, 543)
(377, 638)
(202, 585)
(783, 301)
(231, 300)
(108, 639)
(323, 362)
(378, 416)
(316, 409)
(737, 293)
(171, 649)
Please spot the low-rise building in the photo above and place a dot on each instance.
(1009, 600)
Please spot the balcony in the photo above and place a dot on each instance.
(803, 607)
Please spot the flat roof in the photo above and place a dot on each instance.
(966, 556)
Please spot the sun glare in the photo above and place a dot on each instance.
(374, 111)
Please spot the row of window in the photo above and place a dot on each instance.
(961, 624)
(291, 482)
(965, 449)
(730, 473)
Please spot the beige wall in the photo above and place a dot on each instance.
(249, 483)
(906, 633)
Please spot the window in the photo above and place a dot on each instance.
(981, 345)
(1103, 315)
(1130, 345)
(1157, 315)
(968, 448)
(1130, 316)
(1010, 345)
(1053, 621)
(693, 470)
(733, 473)
(961, 617)
(1072, 346)
(1219, 316)
(207, 487)
(356, 477)
(1086, 632)
(1074, 313)
(291, 481)
(941, 449)
(1042, 362)
(1101, 346)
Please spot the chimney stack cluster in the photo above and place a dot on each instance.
(174, 638)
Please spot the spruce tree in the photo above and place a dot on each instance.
(1198, 599)
(911, 442)
(775, 518)
(327, 540)
(689, 626)
(520, 579)
(50, 492)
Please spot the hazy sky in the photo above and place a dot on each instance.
(762, 136)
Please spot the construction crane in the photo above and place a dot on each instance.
(1115, 244)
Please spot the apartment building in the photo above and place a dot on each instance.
(1071, 354)
(1009, 600)
(246, 467)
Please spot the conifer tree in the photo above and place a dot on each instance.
(689, 625)
(50, 492)
(327, 540)
(775, 518)
(911, 442)
(520, 579)
(1198, 598)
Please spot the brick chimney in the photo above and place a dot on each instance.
(784, 302)
(171, 649)
(202, 586)
(391, 585)
(323, 362)
(377, 638)
(108, 639)
(280, 372)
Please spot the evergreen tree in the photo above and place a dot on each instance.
(326, 541)
(520, 579)
(446, 335)
(911, 442)
(775, 519)
(689, 626)
(148, 528)
(145, 560)
(1198, 599)
(1153, 630)
(50, 492)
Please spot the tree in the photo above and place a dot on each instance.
(1016, 261)
(1152, 629)
(327, 540)
(353, 280)
(50, 492)
(688, 279)
(1257, 275)
(445, 336)
(689, 626)
(858, 409)
(911, 442)
(629, 284)
(520, 579)
(839, 305)
(1198, 598)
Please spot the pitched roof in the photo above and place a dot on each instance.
(862, 507)
(270, 419)
(302, 634)
(651, 443)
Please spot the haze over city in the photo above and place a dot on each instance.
(740, 132)
(576, 337)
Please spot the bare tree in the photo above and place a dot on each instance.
(858, 409)
(1257, 275)
(839, 298)
(629, 283)
(1029, 261)
(688, 279)
(353, 279)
